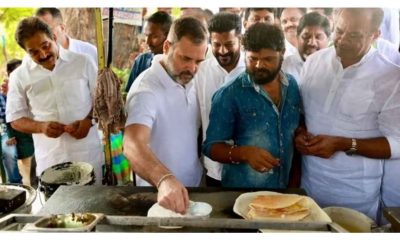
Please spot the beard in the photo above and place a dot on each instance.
(182, 77)
(227, 59)
(263, 76)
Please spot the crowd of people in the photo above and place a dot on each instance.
(243, 98)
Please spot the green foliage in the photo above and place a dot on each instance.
(122, 74)
(9, 18)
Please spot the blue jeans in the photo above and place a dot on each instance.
(9, 159)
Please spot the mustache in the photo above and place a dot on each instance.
(225, 55)
(186, 73)
(45, 59)
(291, 27)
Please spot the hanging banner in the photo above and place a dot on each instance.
(130, 16)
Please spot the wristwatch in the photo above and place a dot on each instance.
(353, 149)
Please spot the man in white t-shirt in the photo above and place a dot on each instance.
(351, 96)
(53, 17)
(226, 64)
(163, 117)
(312, 35)
(50, 96)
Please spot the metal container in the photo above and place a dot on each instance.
(74, 222)
(68, 173)
(351, 220)
(30, 197)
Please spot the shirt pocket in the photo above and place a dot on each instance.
(255, 122)
(41, 95)
(76, 91)
(356, 110)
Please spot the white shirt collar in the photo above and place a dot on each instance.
(163, 76)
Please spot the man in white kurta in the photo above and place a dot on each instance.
(352, 117)
(226, 63)
(39, 94)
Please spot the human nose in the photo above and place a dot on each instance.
(223, 50)
(312, 41)
(42, 53)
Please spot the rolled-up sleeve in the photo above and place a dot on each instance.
(389, 121)
(222, 120)
(17, 101)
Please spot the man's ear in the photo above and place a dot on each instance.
(62, 27)
(376, 34)
(245, 22)
(55, 37)
(166, 46)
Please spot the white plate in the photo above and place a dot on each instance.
(195, 210)
(241, 208)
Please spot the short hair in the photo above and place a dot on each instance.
(189, 27)
(163, 19)
(225, 22)
(248, 10)
(260, 35)
(54, 12)
(314, 19)
(302, 11)
(376, 15)
(30, 26)
(12, 65)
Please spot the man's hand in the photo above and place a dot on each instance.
(258, 158)
(323, 146)
(11, 141)
(4, 87)
(301, 140)
(52, 129)
(79, 129)
(173, 195)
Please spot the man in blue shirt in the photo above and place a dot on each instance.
(156, 32)
(258, 113)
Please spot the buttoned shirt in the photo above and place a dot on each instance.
(63, 95)
(243, 112)
(360, 101)
(171, 111)
(293, 65)
(210, 77)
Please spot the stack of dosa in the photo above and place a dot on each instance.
(289, 207)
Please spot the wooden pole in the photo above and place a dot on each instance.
(108, 178)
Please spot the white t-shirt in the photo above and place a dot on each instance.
(82, 47)
(361, 101)
(63, 95)
(171, 112)
(210, 77)
(293, 65)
